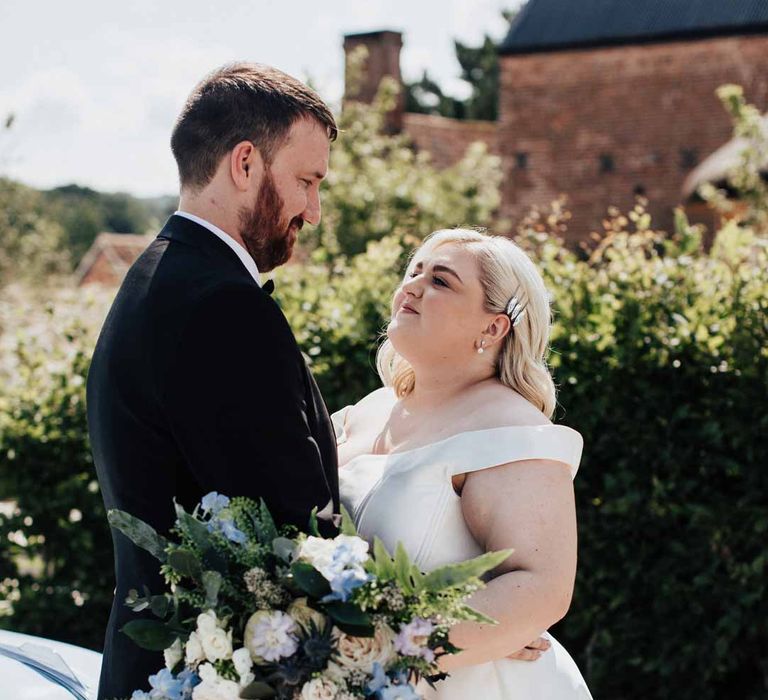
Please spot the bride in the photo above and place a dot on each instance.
(456, 455)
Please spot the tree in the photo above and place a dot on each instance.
(32, 245)
(378, 185)
(479, 68)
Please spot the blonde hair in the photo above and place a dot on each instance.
(505, 270)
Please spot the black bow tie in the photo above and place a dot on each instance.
(268, 286)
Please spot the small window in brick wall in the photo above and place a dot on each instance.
(607, 164)
(521, 160)
(689, 158)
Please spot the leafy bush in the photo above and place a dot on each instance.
(31, 243)
(660, 349)
(661, 353)
(56, 564)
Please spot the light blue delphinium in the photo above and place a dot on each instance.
(345, 572)
(397, 692)
(382, 687)
(140, 695)
(214, 503)
(231, 532)
(164, 685)
(379, 679)
(189, 679)
(345, 581)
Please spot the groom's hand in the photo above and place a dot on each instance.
(532, 651)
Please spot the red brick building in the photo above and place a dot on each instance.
(603, 100)
(109, 258)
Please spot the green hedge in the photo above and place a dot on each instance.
(661, 354)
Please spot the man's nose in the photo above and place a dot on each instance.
(313, 211)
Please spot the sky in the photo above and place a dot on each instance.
(95, 85)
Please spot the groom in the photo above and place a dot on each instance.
(197, 383)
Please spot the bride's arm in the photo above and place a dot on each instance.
(529, 507)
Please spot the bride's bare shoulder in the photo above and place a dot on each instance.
(496, 405)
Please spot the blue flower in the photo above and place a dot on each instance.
(345, 581)
(231, 532)
(214, 503)
(379, 679)
(188, 679)
(397, 692)
(140, 695)
(164, 685)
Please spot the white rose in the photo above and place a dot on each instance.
(217, 645)
(207, 673)
(220, 690)
(206, 623)
(319, 689)
(300, 611)
(317, 552)
(213, 687)
(361, 652)
(173, 654)
(242, 660)
(246, 680)
(336, 673)
(194, 650)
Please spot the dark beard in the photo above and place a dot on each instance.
(263, 231)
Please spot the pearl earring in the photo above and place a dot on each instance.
(481, 349)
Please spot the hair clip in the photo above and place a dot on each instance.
(515, 310)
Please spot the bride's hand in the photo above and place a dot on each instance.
(532, 651)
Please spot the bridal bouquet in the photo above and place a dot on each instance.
(256, 611)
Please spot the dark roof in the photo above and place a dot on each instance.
(551, 25)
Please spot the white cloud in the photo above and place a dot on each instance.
(100, 84)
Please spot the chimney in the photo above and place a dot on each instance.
(383, 60)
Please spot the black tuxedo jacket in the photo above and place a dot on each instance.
(197, 385)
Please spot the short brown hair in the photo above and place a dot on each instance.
(240, 102)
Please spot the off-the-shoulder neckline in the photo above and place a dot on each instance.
(545, 426)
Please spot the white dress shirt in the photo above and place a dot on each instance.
(242, 253)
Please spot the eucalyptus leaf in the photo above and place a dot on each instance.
(257, 690)
(185, 563)
(149, 634)
(141, 534)
(309, 580)
(348, 614)
(212, 581)
(283, 548)
(195, 530)
(159, 605)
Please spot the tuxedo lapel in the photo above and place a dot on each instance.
(187, 232)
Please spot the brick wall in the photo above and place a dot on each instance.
(448, 139)
(601, 125)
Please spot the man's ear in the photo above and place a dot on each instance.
(246, 165)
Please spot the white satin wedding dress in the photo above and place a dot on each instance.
(408, 497)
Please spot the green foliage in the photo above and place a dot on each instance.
(31, 243)
(479, 68)
(379, 186)
(747, 178)
(56, 564)
(660, 350)
(84, 213)
(661, 353)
